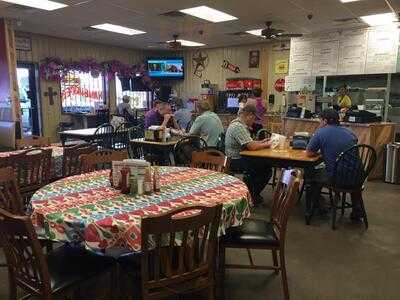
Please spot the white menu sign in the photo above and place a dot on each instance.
(326, 53)
(352, 52)
(383, 43)
(298, 83)
(301, 56)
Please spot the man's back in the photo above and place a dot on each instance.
(332, 140)
(209, 126)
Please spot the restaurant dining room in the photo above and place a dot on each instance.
(200, 149)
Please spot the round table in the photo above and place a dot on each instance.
(86, 209)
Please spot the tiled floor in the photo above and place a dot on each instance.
(349, 263)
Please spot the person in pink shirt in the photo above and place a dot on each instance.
(258, 102)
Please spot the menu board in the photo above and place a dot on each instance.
(383, 43)
(326, 53)
(352, 52)
(358, 51)
(301, 56)
(298, 83)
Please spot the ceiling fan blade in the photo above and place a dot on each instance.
(289, 35)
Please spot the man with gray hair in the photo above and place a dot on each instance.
(124, 109)
(238, 138)
(207, 125)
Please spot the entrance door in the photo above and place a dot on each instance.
(26, 75)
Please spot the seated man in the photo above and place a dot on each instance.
(160, 115)
(207, 125)
(124, 109)
(331, 139)
(182, 115)
(237, 139)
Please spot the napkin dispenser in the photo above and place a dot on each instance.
(300, 141)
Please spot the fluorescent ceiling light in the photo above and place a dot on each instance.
(188, 43)
(347, 1)
(256, 32)
(40, 4)
(208, 13)
(380, 19)
(117, 29)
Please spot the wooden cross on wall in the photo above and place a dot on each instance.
(50, 93)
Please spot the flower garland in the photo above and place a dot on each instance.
(54, 69)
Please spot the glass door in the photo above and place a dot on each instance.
(26, 76)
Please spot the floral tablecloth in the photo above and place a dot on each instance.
(57, 162)
(86, 209)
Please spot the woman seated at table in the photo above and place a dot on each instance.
(331, 139)
(237, 139)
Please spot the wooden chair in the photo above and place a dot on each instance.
(167, 269)
(10, 197)
(72, 158)
(210, 160)
(263, 134)
(32, 142)
(184, 148)
(351, 170)
(102, 159)
(103, 136)
(32, 168)
(39, 275)
(266, 235)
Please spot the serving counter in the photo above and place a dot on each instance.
(376, 135)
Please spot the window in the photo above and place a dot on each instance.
(139, 100)
(81, 92)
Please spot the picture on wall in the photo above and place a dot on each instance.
(254, 58)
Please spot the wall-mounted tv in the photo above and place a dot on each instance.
(168, 68)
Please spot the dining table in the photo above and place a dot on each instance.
(56, 163)
(163, 149)
(85, 209)
(286, 158)
(85, 135)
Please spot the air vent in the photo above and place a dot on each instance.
(173, 14)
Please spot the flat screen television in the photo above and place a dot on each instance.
(168, 68)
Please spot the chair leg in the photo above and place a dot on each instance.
(334, 203)
(275, 260)
(343, 203)
(283, 274)
(210, 292)
(12, 287)
(365, 218)
(221, 266)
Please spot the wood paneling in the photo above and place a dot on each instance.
(45, 46)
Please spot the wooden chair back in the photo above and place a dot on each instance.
(102, 159)
(25, 260)
(32, 142)
(285, 196)
(209, 159)
(184, 148)
(72, 158)
(169, 269)
(32, 168)
(10, 197)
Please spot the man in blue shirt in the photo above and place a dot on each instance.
(331, 139)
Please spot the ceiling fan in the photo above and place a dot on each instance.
(271, 33)
(174, 44)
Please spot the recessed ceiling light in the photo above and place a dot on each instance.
(255, 32)
(118, 29)
(208, 13)
(380, 19)
(188, 43)
(40, 4)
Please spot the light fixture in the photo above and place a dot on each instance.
(208, 13)
(188, 43)
(117, 29)
(40, 4)
(256, 32)
(348, 1)
(380, 19)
